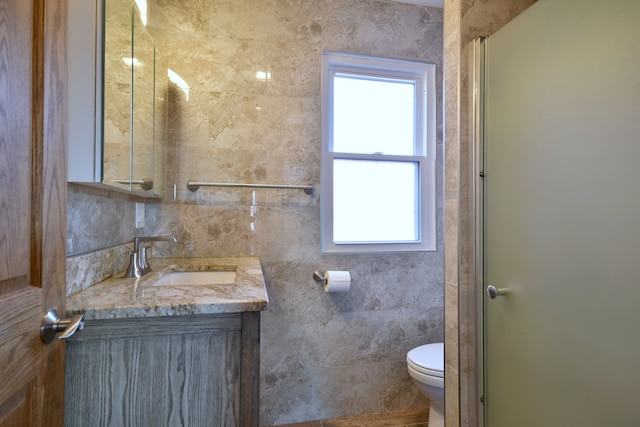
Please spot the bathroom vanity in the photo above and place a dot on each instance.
(160, 352)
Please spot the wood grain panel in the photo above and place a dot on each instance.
(157, 326)
(48, 268)
(32, 208)
(250, 375)
(20, 305)
(15, 134)
(18, 410)
(13, 284)
(179, 380)
(19, 329)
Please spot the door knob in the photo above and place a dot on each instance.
(52, 324)
(494, 292)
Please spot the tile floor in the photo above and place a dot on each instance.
(417, 418)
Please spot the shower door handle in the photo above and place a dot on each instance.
(494, 292)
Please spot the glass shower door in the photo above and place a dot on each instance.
(562, 216)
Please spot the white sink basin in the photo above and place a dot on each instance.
(187, 278)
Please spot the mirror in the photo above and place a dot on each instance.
(117, 92)
(143, 105)
(125, 149)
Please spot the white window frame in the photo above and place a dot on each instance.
(424, 151)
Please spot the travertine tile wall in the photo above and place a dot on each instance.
(100, 227)
(97, 219)
(323, 355)
(452, 140)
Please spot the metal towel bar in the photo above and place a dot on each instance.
(195, 185)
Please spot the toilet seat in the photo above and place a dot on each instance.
(427, 359)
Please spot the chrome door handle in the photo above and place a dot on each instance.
(52, 324)
(494, 292)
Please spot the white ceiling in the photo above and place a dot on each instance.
(432, 3)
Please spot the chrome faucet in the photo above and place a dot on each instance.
(139, 265)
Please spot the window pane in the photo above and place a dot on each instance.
(375, 201)
(373, 116)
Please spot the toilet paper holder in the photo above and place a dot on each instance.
(319, 276)
(333, 281)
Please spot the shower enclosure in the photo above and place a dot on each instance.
(558, 169)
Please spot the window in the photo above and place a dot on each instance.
(378, 159)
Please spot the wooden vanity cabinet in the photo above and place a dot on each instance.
(192, 370)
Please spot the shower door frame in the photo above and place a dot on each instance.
(476, 52)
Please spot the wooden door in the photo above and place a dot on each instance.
(32, 208)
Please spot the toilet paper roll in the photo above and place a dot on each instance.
(337, 281)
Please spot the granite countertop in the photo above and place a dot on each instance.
(118, 297)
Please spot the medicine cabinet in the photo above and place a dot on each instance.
(117, 117)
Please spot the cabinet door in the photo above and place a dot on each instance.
(150, 372)
(84, 119)
(115, 141)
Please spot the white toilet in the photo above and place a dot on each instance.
(426, 367)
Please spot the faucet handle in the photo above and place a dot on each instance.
(142, 259)
(133, 270)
